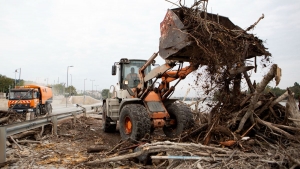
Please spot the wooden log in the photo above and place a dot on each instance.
(8, 143)
(160, 147)
(292, 109)
(29, 141)
(245, 100)
(287, 127)
(240, 70)
(4, 119)
(24, 134)
(8, 162)
(265, 107)
(236, 88)
(251, 87)
(96, 149)
(20, 148)
(274, 128)
(259, 89)
(280, 98)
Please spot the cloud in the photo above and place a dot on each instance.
(44, 37)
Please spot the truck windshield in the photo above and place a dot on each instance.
(130, 72)
(16, 95)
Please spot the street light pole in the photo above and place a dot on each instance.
(84, 92)
(15, 77)
(92, 87)
(96, 91)
(20, 77)
(71, 84)
(67, 83)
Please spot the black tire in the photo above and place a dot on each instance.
(106, 125)
(134, 122)
(37, 111)
(183, 117)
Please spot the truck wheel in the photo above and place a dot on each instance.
(37, 111)
(183, 117)
(106, 126)
(134, 122)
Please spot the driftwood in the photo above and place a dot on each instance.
(186, 155)
(280, 98)
(259, 89)
(16, 143)
(274, 128)
(292, 109)
(162, 147)
(240, 70)
(28, 141)
(96, 149)
(4, 119)
(25, 134)
(8, 162)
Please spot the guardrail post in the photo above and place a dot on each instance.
(84, 112)
(54, 124)
(2, 144)
(74, 117)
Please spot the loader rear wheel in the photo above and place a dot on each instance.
(106, 125)
(134, 122)
(183, 117)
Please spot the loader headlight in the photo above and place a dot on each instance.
(30, 109)
(126, 82)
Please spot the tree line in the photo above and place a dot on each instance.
(58, 89)
(277, 91)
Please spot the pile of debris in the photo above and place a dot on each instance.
(9, 117)
(244, 129)
(256, 129)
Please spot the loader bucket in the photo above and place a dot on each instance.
(175, 42)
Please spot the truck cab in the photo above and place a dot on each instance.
(23, 100)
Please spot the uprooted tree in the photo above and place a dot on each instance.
(225, 53)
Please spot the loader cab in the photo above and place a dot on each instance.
(129, 71)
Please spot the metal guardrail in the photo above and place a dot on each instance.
(11, 129)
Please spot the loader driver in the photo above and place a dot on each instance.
(132, 78)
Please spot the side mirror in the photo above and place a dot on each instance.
(114, 70)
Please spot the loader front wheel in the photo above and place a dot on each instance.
(182, 116)
(134, 122)
(106, 122)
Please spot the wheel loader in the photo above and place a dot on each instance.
(140, 102)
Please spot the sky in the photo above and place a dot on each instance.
(43, 38)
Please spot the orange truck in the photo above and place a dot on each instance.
(33, 99)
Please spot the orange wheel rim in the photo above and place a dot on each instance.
(128, 125)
